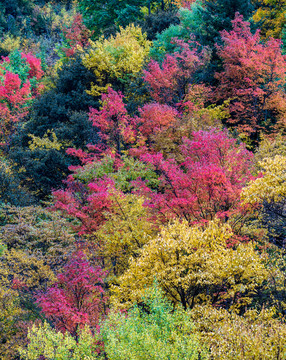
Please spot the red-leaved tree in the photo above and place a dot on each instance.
(77, 35)
(120, 132)
(170, 82)
(20, 76)
(206, 184)
(155, 117)
(14, 100)
(253, 77)
(88, 203)
(77, 298)
(116, 127)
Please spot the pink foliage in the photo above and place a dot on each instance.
(206, 184)
(253, 75)
(155, 117)
(13, 93)
(77, 298)
(35, 66)
(170, 81)
(16, 94)
(88, 203)
(115, 126)
(14, 97)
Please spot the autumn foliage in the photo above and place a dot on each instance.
(77, 298)
(253, 77)
(169, 82)
(19, 76)
(207, 183)
(76, 36)
(142, 183)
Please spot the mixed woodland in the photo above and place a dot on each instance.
(143, 179)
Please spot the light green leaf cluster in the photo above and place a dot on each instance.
(131, 170)
(151, 331)
(54, 345)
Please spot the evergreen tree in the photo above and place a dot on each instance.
(218, 14)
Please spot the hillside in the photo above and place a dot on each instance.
(142, 179)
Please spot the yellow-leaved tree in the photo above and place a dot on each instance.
(269, 147)
(271, 187)
(117, 59)
(267, 196)
(271, 17)
(256, 335)
(194, 265)
(125, 232)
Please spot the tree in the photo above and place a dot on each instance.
(232, 337)
(115, 126)
(116, 60)
(75, 37)
(88, 196)
(20, 74)
(126, 230)
(252, 78)
(269, 192)
(105, 17)
(14, 100)
(170, 82)
(205, 183)
(270, 16)
(88, 204)
(77, 297)
(119, 132)
(152, 327)
(194, 265)
(62, 111)
(155, 118)
(155, 23)
(44, 341)
(189, 23)
(217, 15)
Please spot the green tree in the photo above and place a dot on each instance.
(53, 345)
(105, 17)
(151, 329)
(61, 111)
(216, 16)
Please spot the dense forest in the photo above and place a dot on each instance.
(143, 179)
